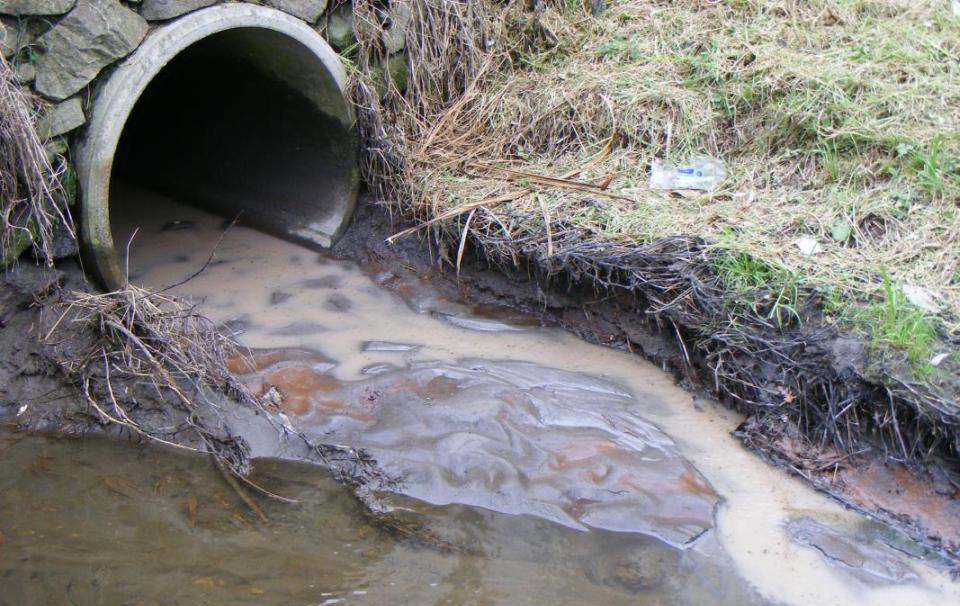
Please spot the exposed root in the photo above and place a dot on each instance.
(150, 341)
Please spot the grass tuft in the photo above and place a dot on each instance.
(896, 323)
(768, 291)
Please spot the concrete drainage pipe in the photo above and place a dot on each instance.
(239, 109)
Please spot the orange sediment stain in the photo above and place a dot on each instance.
(695, 485)
(298, 385)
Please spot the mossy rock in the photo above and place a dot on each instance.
(398, 71)
(15, 243)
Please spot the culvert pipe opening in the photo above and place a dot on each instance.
(237, 109)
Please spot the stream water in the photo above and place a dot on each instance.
(543, 469)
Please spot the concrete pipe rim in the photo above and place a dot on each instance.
(117, 96)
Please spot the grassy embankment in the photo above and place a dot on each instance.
(838, 122)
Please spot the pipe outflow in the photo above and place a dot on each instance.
(239, 109)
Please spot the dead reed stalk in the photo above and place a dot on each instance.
(106, 343)
(31, 194)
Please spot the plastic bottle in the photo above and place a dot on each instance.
(703, 173)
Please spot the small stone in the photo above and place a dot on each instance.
(26, 72)
(13, 37)
(8, 40)
(35, 7)
(62, 244)
(279, 297)
(337, 302)
(398, 71)
(158, 10)
(95, 34)
(395, 38)
(61, 118)
(308, 10)
(340, 27)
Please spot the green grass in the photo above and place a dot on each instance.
(898, 324)
(769, 291)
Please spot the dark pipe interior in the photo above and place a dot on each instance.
(232, 124)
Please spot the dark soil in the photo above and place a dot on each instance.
(36, 394)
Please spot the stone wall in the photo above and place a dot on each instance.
(60, 48)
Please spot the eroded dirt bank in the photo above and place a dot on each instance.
(919, 499)
(334, 307)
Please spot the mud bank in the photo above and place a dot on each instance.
(920, 499)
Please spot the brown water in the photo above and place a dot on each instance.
(551, 470)
(93, 521)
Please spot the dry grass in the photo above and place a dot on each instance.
(837, 120)
(834, 119)
(151, 364)
(31, 195)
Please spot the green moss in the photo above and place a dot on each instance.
(16, 242)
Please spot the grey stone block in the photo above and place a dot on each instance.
(13, 37)
(158, 10)
(95, 34)
(35, 7)
(61, 245)
(340, 26)
(308, 10)
(61, 118)
(395, 38)
(25, 73)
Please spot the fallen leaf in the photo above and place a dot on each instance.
(807, 245)
(118, 486)
(938, 359)
(923, 298)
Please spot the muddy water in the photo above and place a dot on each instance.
(364, 338)
(97, 522)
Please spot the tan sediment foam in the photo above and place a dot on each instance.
(283, 296)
